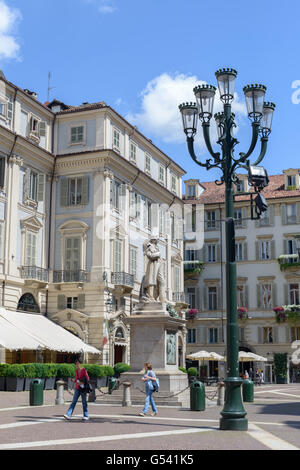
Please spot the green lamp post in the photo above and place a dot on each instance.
(233, 415)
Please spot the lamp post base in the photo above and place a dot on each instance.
(233, 414)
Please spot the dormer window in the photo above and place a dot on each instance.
(191, 190)
(291, 182)
(240, 186)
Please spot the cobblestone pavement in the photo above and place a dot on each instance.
(274, 423)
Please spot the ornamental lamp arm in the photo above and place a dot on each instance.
(215, 155)
(190, 143)
(263, 150)
(255, 133)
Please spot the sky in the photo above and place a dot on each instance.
(143, 58)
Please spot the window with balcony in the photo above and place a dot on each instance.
(191, 295)
(268, 335)
(74, 191)
(266, 296)
(293, 293)
(31, 248)
(118, 251)
(241, 296)
(133, 256)
(295, 333)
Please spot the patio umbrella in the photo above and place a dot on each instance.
(251, 357)
(205, 356)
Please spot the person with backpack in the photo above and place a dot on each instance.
(81, 387)
(149, 378)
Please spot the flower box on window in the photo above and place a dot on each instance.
(242, 313)
(192, 313)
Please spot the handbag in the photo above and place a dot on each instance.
(87, 386)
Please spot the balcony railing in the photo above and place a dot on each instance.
(180, 297)
(34, 273)
(77, 275)
(122, 279)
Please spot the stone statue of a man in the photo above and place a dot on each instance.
(153, 282)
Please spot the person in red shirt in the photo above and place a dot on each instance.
(81, 377)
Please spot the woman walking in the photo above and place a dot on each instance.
(149, 378)
(81, 378)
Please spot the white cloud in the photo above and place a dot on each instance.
(160, 115)
(9, 17)
(103, 6)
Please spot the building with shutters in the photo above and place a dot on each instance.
(268, 268)
(81, 191)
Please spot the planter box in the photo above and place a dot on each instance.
(49, 383)
(14, 384)
(102, 382)
(2, 384)
(280, 380)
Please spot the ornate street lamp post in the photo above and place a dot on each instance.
(233, 415)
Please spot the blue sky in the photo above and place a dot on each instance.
(144, 57)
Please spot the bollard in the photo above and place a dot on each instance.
(60, 392)
(221, 393)
(126, 394)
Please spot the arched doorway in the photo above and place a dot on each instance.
(27, 303)
(119, 348)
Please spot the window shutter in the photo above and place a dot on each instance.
(2, 171)
(260, 334)
(245, 251)
(218, 217)
(219, 253)
(205, 298)
(275, 334)
(61, 302)
(139, 207)
(9, 110)
(271, 214)
(112, 194)
(198, 299)
(244, 215)
(257, 250)
(246, 297)
(286, 294)
(168, 224)
(132, 206)
(298, 212)
(64, 192)
(122, 197)
(41, 188)
(288, 335)
(85, 190)
(285, 247)
(258, 295)
(273, 249)
(27, 183)
(283, 214)
(274, 295)
(200, 335)
(81, 302)
(42, 129)
(218, 298)
(155, 217)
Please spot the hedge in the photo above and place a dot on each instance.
(16, 370)
(183, 369)
(37, 370)
(121, 367)
(97, 371)
(3, 370)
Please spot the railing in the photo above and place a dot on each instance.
(77, 275)
(180, 297)
(122, 279)
(33, 272)
(192, 265)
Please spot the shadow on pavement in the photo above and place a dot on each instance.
(292, 408)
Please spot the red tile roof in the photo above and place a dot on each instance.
(214, 194)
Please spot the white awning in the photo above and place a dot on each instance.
(31, 331)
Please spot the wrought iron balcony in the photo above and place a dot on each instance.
(180, 297)
(34, 273)
(77, 275)
(122, 279)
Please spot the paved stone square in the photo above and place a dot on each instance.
(273, 424)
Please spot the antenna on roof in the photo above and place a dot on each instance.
(49, 87)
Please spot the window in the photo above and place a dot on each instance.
(241, 334)
(147, 163)
(27, 303)
(240, 186)
(239, 251)
(133, 152)
(191, 335)
(133, 252)
(191, 294)
(211, 253)
(149, 213)
(268, 335)
(31, 249)
(77, 134)
(161, 175)
(191, 190)
(210, 219)
(190, 255)
(265, 218)
(116, 139)
(2, 171)
(75, 191)
(72, 254)
(213, 335)
(2, 239)
(295, 333)
(266, 296)
(177, 279)
(72, 302)
(117, 195)
(294, 294)
(6, 110)
(291, 213)
(33, 186)
(291, 182)
(241, 298)
(238, 216)
(212, 298)
(265, 250)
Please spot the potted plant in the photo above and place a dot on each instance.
(15, 378)
(183, 369)
(119, 368)
(280, 367)
(242, 314)
(29, 375)
(280, 314)
(66, 372)
(3, 374)
(192, 374)
(192, 313)
(50, 376)
(293, 313)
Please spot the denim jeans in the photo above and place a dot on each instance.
(149, 400)
(77, 394)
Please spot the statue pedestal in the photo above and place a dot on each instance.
(154, 338)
